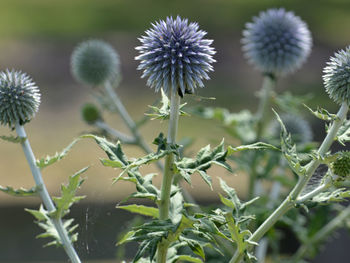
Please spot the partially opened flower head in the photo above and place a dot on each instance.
(19, 98)
(336, 77)
(174, 54)
(94, 62)
(277, 42)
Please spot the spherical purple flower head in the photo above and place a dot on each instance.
(277, 42)
(336, 77)
(174, 54)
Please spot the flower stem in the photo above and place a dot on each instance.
(289, 202)
(260, 117)
(168, 171)
(44, 195)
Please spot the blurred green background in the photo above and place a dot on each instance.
(38, 36)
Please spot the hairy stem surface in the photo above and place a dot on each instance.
(289, 202)
(44, 195)
(168, 170)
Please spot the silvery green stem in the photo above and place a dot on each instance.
(322, 234)
(316, 191)
(44, 195)
(260, 116)
(115, 133)
(164, 202)
(289, 202)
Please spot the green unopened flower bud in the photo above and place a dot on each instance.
(19, 98)
(90, 113)
(93, 62)
(341, 166)
(336, 76)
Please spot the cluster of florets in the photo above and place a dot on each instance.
(277, 42)
(341, 166)
(337, 76)
(19, 98)
(175, 54)
(94, 62)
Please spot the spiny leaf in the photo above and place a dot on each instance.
(203, 161)
(291, 103)
(19, 192)
(68, 197)
(254, 146)
(141, 209)
(45, 222)
(48, 160)
(187, 258)
(113, 151)
(289, 149)
(338, 195)
(323, 114)
(13, 139)
(163, 112)
(176, 208)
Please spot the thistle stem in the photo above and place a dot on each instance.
(289, 202)
(115, 133)
(44, 195)
(260, 117)
(168, 171)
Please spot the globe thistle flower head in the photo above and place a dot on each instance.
(93, 62)
(299, 128)
(90, 113)
(277, 42)
(19, 98)
(174, 54)
(341, 166)
(336, 76)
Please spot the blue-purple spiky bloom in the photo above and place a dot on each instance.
(19, 98)
(277, 42)
(174, 54)
(336, 77)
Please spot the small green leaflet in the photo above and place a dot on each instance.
(322, 114)
(203, 161)
(68, 197)
(141, 209)
(289, 149)
(338, 195)
(12, 138)
(254, 146)
(163, 112)
(48, 160)
(21, 192)
(186, 258)
(45, 222)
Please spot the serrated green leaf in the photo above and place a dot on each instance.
(254, 146)
(21, 192)
(126, 238)
(45, 222)
(323, 114)
(13, 139)
(68, 197)
(176, 208)
(141, 209)
(289, 149)
(203, 161)
(338, 195)
(291, 103)
(163, 112)
(113, 151)
(48, 160)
